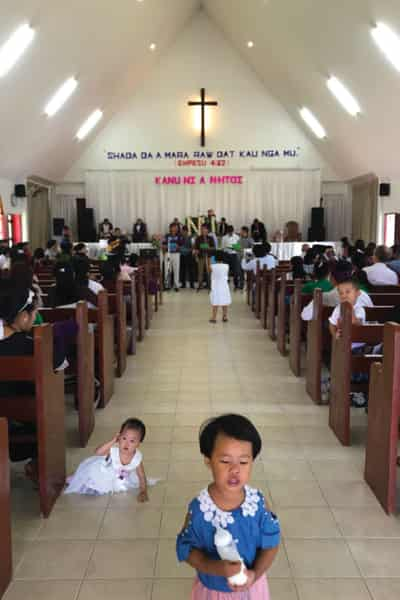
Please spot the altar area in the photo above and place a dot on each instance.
(286, 250)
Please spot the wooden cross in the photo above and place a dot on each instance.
(203, 103)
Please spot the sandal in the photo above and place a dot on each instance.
(212, 321)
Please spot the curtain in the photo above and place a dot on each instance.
(365, 209)
(64, 206)
(38, 216)
(275, 197)
(338, 216)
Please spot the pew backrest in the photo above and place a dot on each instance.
(5, 511)
(45, 408)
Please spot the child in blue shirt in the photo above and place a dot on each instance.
(230, 444)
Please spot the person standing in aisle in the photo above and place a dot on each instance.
(171, 246)
(203, 246)
(231, 247)
(187, 260)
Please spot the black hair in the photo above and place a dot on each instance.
(231, 425)
(360, 245)
(51, 244)
(66, 290)
(259, 250)
(135, 425)
(38, 254)
(297, 264)
(80, 246)
(219, 256)
(342, 271)
(353, 280)
(21, 275)
(245, 228)
(230, 228)
(321, 270)
(12, 300)
(268, 247)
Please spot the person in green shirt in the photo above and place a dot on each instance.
(321, 281)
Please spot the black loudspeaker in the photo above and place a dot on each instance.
(317, 217)
(20, 190)
(87, 230)
(316, 234)
(58, 225)
(384, 189)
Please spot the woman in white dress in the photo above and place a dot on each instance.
(117, 466)
(220, 293)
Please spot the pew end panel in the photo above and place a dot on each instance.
(104, 338)
(383, 422)
(343, 364)
(45, 408)
(83, 367)
(5, 511)
(297, 303)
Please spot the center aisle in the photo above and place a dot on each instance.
(186, 371)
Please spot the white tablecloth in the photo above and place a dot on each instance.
(286, 250)
(96, 248)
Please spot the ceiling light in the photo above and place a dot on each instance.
(343, 96)
(313, 123)
(89, 124)
(250, 44)
(388, 42)
(61, 96)
(14, 47)
(153, 47)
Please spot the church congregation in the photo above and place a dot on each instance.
(199, 300)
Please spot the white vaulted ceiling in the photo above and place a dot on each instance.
(297, 45)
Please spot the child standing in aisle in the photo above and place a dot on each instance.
(229, 508)
(220, 293)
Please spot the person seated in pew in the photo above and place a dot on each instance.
(379, 273)
(17, 316)
(320, 279)
(342, 271)
(394, 263)
(127, 267)
(262, 256)
(80, 257)
(52, 251)
(297, 270)
(116, 467)
(349, 291)
(65, 254)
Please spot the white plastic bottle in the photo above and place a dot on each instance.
(227, 550)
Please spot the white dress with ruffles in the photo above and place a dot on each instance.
(100, 475)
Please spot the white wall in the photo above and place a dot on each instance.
(158, 118)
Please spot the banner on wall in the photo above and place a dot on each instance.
(199, 180)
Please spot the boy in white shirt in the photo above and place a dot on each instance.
(348, 291)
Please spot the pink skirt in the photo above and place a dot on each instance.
(258, 591)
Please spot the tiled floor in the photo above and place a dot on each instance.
(337, 542)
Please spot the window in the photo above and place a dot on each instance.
(389, 231)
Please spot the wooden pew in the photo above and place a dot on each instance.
(285, 289)
(117, 308)
(82, 366)
(104, 345)
(258, 291)
(147, 298)
(296, 326)
(383, 421)
(130, 300)
(272, 304)
(344, 363)
(45, 408)
(318, 338)
(265, 278)
(5, 511)
(318, 341)
(140, 304)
